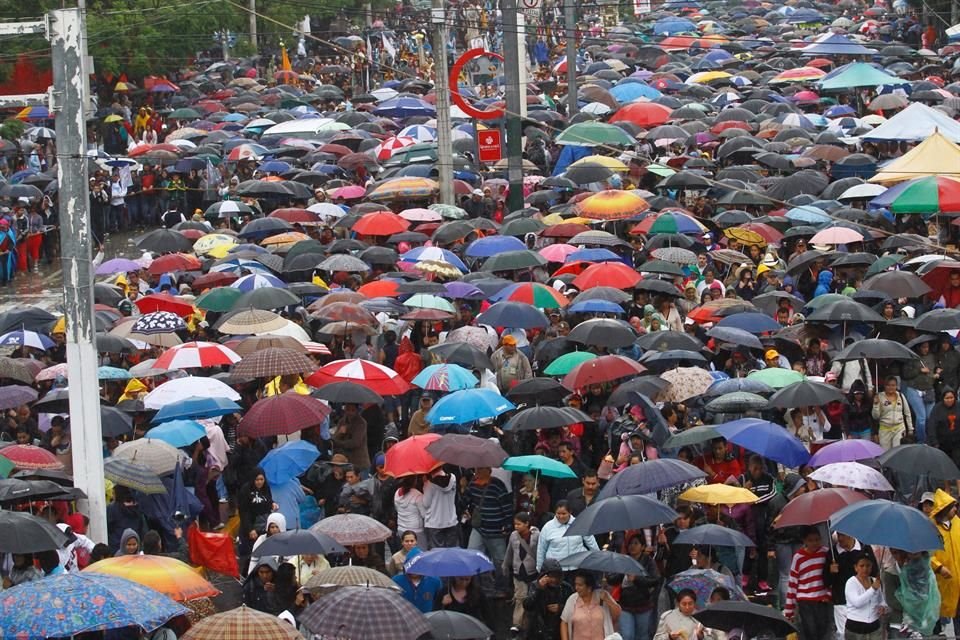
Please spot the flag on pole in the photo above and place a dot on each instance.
(285, 60)
(388, 47)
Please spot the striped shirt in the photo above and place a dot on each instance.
(806, 579)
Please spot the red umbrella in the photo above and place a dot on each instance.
(376, 377)
(939, 277)
(769, 234)
(816, 507)
(410, 457)
(193, 234)
(607, 274)
(27, 456)
(213, 279)
(174, 262)
(380, 289)
(600, 370)
(564, 230)
(282, 415)
(644, 114)
(296, 216)
(192, 355)
(380, 223)
(164, 302)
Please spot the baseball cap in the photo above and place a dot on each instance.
(927, 497)
(510, 340)
(771, 354)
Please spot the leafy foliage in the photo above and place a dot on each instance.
(12, 129)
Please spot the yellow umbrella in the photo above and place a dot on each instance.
(612, 204)
(610, 163)
(552, 219)
(580, 220)
(746, 236)
(707, 76)
(221, 251)
(213, 241)
(718, 494)
(169, 576)
(285, 239)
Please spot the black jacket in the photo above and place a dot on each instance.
(543, 624)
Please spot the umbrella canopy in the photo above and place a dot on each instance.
(168, 576)
(387, 615)
(912, 459)
(649, 477)
(853, 475)
(453, 625)
(410, 457)
(282, 414)
(768, 439)
(754, 619)
(621, 513)
(702, 582)
(816, 507)
(158, 456)
(846, 451)
(467, 451)
(805, 393)
(606, 562)
(538, 465)
(27, 533)
(299, 542)
(349, 576)
(887, 523)
(351, 528)
(468, 405)
(242, 623)
(718, 494)
(713, 535)
(132, 474)
(288, 461)
(448, 562)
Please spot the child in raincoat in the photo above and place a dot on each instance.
(946, 562)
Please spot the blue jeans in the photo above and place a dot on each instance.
(636, 626)
(921, 408)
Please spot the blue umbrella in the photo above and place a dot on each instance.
(596, 306)
(274, 166)
(492, 245)
(889, 524)
(112, 373)
(460, 290)
(649, 477)
(593, 255)
(632, 91)
(807, 215)
(434, 253)
(288, 461)
(516, 315)
(714, 535)
(197, 408)
(26, 338)
(448, 563)
(766, 438)
(735, 336)
(178, 433)
(404, 107)
(445, 377)
(468, 405)
(258, 281)
(68, 604)
(751, 322)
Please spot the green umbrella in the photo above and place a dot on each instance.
(427, 301)
(563, 365)
(220, 299)
(521, 227)
(448, 211)
(859, 74)
(538, 465)
(883, 264)
(776, 377)
(594, 134)
(689, 437)
(184, 114)
(5, 467)
(930, 195)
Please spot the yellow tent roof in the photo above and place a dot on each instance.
(935, 156)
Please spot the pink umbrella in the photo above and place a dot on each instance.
(836, 235)
(351, 192)
(557, 252)
(421, 215)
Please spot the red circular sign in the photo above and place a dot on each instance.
(466, 107)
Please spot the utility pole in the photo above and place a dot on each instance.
(570, 27)
(70, 103)
(515, 94)
(438, 16)
(253, 25)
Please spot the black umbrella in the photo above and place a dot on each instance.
(588, 172)
(453, 625)
(649, 477)
(735, 336)
(661, 267)
(462, 353)
(805, 393)
(667, 341)
(663, 360)
(857, 259)
(537, 391)
(108, 294)
(804, 260)
(61, 478)
(57, 401)
(603, 332)
(467, 451)
(164, 241)
(845, 311)
(298, 542)
(939, 320)
(347, 393)
(620, 513)
(627, 392)
(756, 620)
(420, 286)
(605, 562)
(917, 459)
(660, 287)
(602, 293)
(713, 535)
(265, 227)
(736, 402)
(29, 318)
(513, 314)
(109, 343)
(876, 349)
(545, 418)
(898, 284)
(26, 533)
(114, 422)
(16, 489)
(266, 298)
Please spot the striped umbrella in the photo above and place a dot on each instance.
(196, 355)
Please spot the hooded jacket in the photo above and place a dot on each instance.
(948, 557)
(127, 535)
(824, 280)
(255, 594)
(278, 519)
(408, 363)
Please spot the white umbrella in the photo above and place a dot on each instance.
(862, 192)
(291, 330)
(853, 475)
(183, 388)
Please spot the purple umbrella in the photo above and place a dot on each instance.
(15, 395)
(117, 265)
(846, 451)
(459, 290)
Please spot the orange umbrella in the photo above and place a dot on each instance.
(380, 223)
(380, 289)
(612, 205)
(166, 575)
(607, 274)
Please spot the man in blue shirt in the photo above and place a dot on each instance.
(420, 591)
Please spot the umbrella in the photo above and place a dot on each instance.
(713, 535)
(72, 603)
(381, 379)
(242, 623)
(621, 513)
(299, 542)
(876, 349)
(650, 476)
(453, 625)
(768, 439)
(445, 377)
(288, 461)
(15, 395)
(845, 451)
(805, 393)
(853, 475)
(274, 361)
(468, 405)
(897, 284)
(159, 457)
(197, 408)
(755, 620)
(545, 418)
(686, 383)
(775, 377)
(347, 393)
(735, 336)
(28, 456)
(168, 576)
(178, 433)
(718, 494)
(462, 353)
(282, 414)
(845, 310)
(565, 363)
(600, 370)
(513, 314)
(538, 465)
(537, 391)
(606, 562)
(27, 533)
(387, 615)
(175, 391)
(913, 459)
(702, 582)
(252, 321)
(349, 576)
(737, 402)
(351, 528)
(26, 338)
(467, 451)
(751, 322)
(603, 332)
(132, 474)
(889, 524)
(448, 562)
(667, 341)
(816, 507)
(410, 457)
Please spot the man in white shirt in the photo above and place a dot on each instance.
(118, 200)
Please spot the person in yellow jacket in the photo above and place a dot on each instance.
(946, 563)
